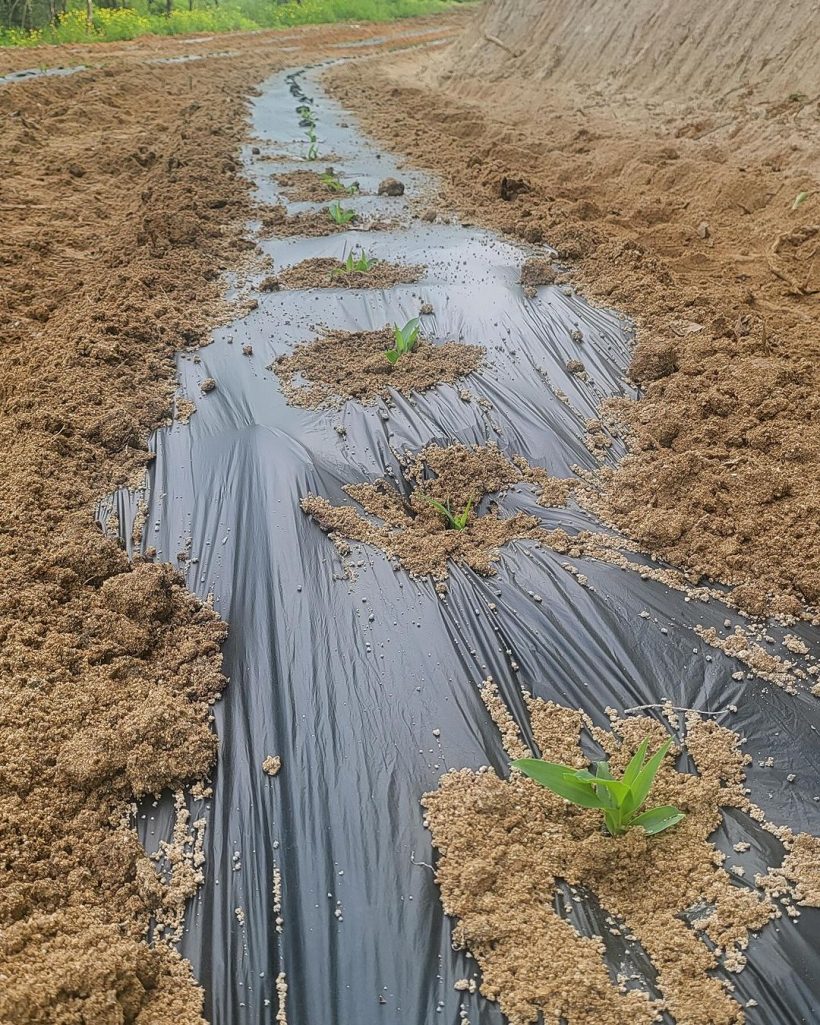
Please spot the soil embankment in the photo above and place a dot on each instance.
(686, 193)
(653, 48)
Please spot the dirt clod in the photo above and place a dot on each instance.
(391, 187)
(325, 272)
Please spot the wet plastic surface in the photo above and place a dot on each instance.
(28, 73)
(347, 680)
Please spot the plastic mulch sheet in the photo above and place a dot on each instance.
(367, 686)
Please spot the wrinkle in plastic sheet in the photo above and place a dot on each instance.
(347, 680)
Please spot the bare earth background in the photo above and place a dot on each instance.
(667, 184)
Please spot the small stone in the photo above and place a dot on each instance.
(703, 229)
(391, 187)
(207, 385)
(436, 733)
(247, 350)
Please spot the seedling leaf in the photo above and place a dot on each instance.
(643, 781)
(560, 779)
(618, 799)
(656, 820)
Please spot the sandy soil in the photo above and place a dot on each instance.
(679, 212)
(504, 843)
(342, 365)
(120, 204)
(326, 272)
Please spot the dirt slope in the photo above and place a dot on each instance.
(651, 47)
(681, 213)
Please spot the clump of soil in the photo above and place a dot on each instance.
(325, 272)
(535, 272)
(278, 223)
(504, 843)
(272, 764)
(391, 187)
(345, 365)
(415, 534)
(308, 186)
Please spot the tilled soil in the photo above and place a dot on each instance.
(312, 186)
(121, 205)
(343, 365)
(504, 843)
(682, 215)
(326, 272)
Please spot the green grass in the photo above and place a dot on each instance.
(114, 24)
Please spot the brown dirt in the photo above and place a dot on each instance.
(278, 223)
(344, 365)
(679, 212)
(504, 843)
(121, 202)
(308, 187)
(652, 47)
(325, 272)
(535, 272)
(416, 535)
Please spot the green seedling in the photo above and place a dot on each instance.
(362, 263)
(454, 521)
(405, 340)
(339, 215)
(313, 149)
(619, 799)
(331, 182)
(800, 199)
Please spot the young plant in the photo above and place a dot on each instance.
(338, 214)
(362, 263)
(405, 340)
(313, 149)
(619, 799)
(454, 521)
(331, 182)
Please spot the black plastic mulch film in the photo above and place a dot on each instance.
(347, 680)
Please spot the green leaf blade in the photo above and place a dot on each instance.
(642, 784)
(635, 763)
(656, 820)
(560, 779)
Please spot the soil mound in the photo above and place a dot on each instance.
(345, 365)
(657, 47)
